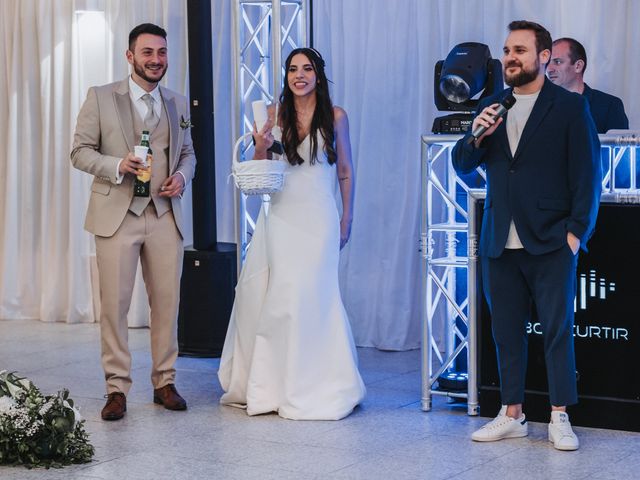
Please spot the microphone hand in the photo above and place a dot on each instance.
(485, 122)
(488, 120)
(487, 117)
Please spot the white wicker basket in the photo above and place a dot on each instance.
(257, 177)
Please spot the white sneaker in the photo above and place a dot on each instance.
(502, 427)
(560, 432)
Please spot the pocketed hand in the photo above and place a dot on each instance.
(574, 242)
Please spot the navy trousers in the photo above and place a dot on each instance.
(514, 282)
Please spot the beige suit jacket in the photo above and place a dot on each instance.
(105, 134)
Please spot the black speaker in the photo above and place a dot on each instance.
(202, 117)
(207, 290)
(606, 333)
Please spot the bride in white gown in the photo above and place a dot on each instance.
(289, 347)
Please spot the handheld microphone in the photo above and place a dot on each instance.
(506, 103)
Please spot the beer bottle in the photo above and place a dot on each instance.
(142, 183)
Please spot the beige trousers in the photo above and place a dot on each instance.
(158, 245)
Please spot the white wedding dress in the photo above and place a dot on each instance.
(289, 347)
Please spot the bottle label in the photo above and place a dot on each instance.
(142, 184)
(145, 173)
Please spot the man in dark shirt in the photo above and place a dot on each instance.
(567, 66)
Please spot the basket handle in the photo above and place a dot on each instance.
(236, 147)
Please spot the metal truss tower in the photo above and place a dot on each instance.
(449, 244)
(264, 33)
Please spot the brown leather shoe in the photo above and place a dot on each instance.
(169, 397)
(115, 407)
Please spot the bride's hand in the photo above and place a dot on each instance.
(263, 140)
(345, 231)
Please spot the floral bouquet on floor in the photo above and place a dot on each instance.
(39, 430)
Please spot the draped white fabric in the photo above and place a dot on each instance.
(51, 53)
(380, 55)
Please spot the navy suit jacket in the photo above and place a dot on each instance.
(550, 186)
(607, 111)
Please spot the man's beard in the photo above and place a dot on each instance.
(523, 77)
(139, 69)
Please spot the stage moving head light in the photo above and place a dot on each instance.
(467, 71)
(464, 72)
(460, 81)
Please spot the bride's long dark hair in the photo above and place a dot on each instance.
(322, 119)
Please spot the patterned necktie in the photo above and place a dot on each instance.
(150, 119)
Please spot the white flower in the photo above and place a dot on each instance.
(26, 415)
(45, 408)
(6, 403)
(26, 384)
(33, 428)
(76, 413)
(14, 390)
(185, 123)
(20, 420)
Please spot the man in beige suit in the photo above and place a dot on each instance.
(128, 228)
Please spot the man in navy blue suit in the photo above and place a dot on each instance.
(543, 191)
(567, 67)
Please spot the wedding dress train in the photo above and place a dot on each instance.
(289, 347)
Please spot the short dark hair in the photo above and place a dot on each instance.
(576, 50)
(145, 28)
(543, 37)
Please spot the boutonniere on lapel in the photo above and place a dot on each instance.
(185, 123)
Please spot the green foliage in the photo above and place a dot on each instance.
(39, 430)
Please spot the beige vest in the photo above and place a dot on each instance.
(159, 141)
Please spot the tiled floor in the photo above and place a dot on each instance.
(388, 437)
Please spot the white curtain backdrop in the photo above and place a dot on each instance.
(52, 51)
(380, 56)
